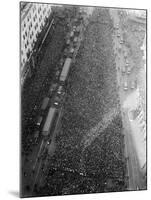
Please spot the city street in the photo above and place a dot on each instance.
(128, 98)
(91, 142)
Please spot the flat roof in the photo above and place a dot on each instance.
(49, 119)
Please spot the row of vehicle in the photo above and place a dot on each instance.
(54, 99)
(50, 110)
(127, 68)
(51, 104)
(51, 107)
(132, 85)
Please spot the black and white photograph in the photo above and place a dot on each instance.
(83, 99)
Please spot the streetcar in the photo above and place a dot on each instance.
(49, 124)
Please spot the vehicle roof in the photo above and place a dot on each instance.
(65, 69)
(45, 103)
(49, 119)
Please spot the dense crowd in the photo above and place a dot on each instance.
(91, 95)
(36, 88)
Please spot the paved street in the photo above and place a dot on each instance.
(125, 91)
(92, 147)
(89, 142)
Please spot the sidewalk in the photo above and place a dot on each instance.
(127, 73)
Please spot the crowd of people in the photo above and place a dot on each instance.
(37, 89)
(91, 94)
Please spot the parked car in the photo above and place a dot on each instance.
(118, 34)
(133, 84)
(57, 101)
(60, 90)
(59, 98)
(127, 62)
(52, 89)
(125, 85)
(39, 121)
(117, 26)
(128, 69)
(123, 69)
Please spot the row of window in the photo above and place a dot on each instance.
(31, 35)
(35, 17)
(39, 10)
(28, 25)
